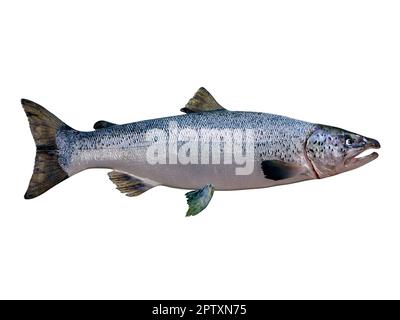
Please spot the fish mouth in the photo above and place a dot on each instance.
(358, 159)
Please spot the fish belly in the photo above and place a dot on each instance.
(189, 176)
(194, 176)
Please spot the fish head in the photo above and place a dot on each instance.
(333, 150)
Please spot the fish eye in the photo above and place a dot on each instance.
(349, 142)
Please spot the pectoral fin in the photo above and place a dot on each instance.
(129, 184)
(202, 101)
(280, 170)
(199, 199)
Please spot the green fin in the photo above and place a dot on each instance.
(280, 170)
(44, 127)
(202, 101)
(128, 184)
(199, 199)
(103, 124)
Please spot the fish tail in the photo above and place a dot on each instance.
(44, 127)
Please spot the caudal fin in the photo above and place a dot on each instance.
(44, 127)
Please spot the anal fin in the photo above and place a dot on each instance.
(199, 199)
(128, 184)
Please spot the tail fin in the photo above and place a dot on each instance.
(44, 127)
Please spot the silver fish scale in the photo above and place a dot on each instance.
(118, 147)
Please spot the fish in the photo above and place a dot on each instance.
(207, 148)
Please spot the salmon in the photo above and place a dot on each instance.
(205, 149)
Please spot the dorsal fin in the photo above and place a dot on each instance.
(202, 101)
(102, 124)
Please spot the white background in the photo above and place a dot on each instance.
(332, 62)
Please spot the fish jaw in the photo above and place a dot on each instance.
(356, 161)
